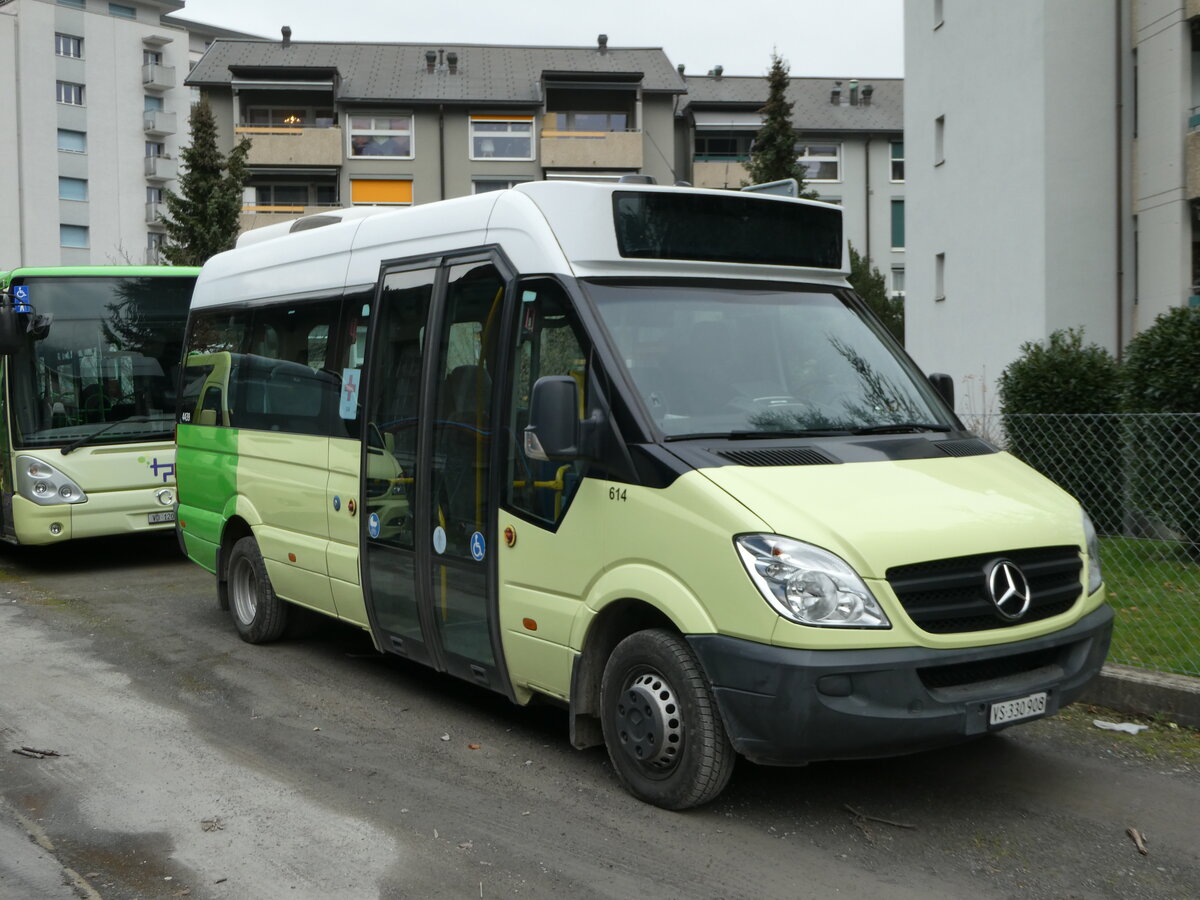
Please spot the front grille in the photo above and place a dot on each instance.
(949, 596)
(976, 671)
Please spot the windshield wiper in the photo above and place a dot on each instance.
(901, 428)
(132, 420)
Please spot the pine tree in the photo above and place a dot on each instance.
(202, 219)
(773, 154)
(868, 283)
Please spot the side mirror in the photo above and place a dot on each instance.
(554, 430)
(944, 385)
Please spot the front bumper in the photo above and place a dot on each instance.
(783, 706)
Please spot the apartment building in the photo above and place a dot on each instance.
(1053, 176)
(849, 138)
(341, 124)
(93, 104)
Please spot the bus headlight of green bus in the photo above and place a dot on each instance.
(41, 483)
(808, 585)
(1095, 578)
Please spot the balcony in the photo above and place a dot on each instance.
(157, 77)
(158, 122)
(160, 168)
(292, 145)
(256, 216)
(1192, 10)
(719, 173)
(591, 149)
(155, 213)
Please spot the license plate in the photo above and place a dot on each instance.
(160, 517)
(1021, 708)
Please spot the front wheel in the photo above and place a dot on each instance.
(661, 725)
(259, 616)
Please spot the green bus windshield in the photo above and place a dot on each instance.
(106, 370)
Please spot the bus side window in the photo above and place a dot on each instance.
(548, 342)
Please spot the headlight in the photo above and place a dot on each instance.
(1095, 578)
(44, 484)
(808, 585)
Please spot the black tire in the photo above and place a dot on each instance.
(259, 616)
(661, 725)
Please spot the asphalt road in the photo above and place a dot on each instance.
(192, 764)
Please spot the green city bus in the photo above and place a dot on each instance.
(87, 404)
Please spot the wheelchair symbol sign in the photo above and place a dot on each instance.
(478, 547)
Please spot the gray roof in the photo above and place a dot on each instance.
(397, 72)
(811, 109)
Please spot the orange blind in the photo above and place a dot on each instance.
(375, 190)
(502, 119)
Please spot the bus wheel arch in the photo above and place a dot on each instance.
(235, 529)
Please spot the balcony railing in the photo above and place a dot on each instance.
(256, 215)
(591, 149)
(158, 122)
(156, 77)
(160, 168)
(293, 145)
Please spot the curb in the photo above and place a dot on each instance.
(1146, 693)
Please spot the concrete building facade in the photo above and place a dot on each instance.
(93, 100)
(1053, 176)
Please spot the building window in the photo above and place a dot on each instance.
(501, 137)
(723, 145)
(154, 195)
(591, 122)
(74, 4)
(73, 236)
(69, 93)
(897, 224)
(484, 185)
(939, 140)
(154, 245)
(151, 57)
(66, 45)
(380, 192)
(821, 162)
(897, 281)
(72, 141)
(72, 188)
(150, 103)
(897, 160)
(156, 148)
(289, 117)
(121, 11)
(381, 136)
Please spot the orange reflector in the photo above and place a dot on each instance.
(530, 624)
(291, 557)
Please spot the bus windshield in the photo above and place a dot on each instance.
(744, 360)
(106, 370)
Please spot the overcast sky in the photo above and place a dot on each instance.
(836, 38)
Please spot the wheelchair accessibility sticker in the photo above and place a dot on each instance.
(373, 525)
(478, 547)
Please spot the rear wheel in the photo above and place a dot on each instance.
(661, 725)
(259, 616)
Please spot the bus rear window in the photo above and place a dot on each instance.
(737, 228)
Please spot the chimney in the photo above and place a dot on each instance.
(718, 71)
(430, 60)
(452, 62)
(681, 67)
(854, 92)
(602, 43)
(867, 91)
(835, 95)
(287, 36)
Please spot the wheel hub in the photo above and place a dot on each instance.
(649, 722)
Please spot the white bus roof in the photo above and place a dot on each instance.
(544, 227)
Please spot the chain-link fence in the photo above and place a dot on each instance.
(1138, 476)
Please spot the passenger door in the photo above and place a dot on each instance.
(428, 457)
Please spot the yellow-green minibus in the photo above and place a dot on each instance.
(636, 450)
